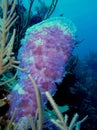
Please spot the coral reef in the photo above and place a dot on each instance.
(44, 54)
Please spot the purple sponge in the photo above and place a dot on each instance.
(44, 53)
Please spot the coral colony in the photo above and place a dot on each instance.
(44, 53)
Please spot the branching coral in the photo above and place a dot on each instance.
(62, 122)
(8, 18)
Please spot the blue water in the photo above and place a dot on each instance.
(84, 14)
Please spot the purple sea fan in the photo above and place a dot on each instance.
(44, 53)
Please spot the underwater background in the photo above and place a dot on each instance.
(84, 15)
(76, 94)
